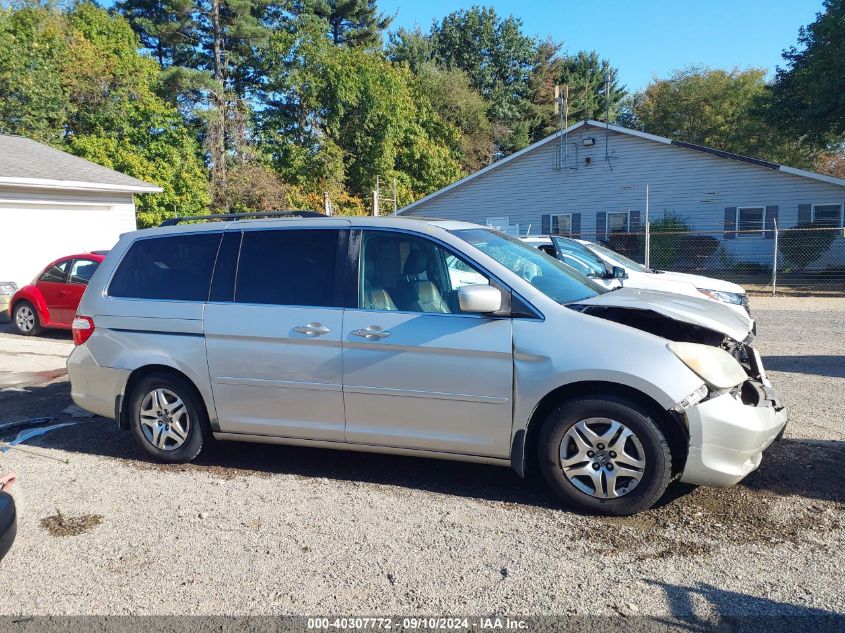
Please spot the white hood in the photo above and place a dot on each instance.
(700, 281)
(702, 312)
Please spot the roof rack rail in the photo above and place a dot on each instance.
(243, 216)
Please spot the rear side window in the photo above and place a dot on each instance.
(287, 267)
(82, 271)
(176, 267)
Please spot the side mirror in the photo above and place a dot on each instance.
(619, 273)
(480, 299)
(8, 523)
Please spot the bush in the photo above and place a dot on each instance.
(667, 234)
(698, 247)
(804, 244)
(627, 244)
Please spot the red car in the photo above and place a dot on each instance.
(50, 301)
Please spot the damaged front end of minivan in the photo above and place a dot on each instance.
(736, 413)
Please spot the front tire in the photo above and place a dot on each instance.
(605, 455)
(168, 418)
(25, 318)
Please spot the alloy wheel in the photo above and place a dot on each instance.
(164, 419)
(25, 318)
(602, 458)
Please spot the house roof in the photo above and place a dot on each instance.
(28, 163)
(624, 130)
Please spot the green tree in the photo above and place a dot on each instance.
(716, 108)
(584, 75)
(33, 100)
(411, 47)
(165, 27)
(208, 50)
(498, 58)
(95, 98)
(461, 110)
(809, 94)
(350, 22)
(338, 117)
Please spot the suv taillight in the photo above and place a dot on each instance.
(82, 328)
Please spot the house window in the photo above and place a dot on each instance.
(619, 222)
(562, 224)
(827, 214)
(749, 221)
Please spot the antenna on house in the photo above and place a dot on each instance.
(561, 102)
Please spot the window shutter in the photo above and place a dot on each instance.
(601, 225)
(633, 221)
(576, 225)
(730, 223)
(546, 225)
(771, 217)
(805, 213)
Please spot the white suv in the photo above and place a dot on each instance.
(430, 338)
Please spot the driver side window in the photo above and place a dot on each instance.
(403, 272)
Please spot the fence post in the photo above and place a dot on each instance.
(647, 232)
(775, 258)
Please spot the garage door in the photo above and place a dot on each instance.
(31, 236)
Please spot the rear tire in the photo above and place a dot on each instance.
(168, 418)
(604, 455)
(25, 318)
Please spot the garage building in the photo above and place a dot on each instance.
(54, 204)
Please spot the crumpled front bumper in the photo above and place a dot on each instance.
(728, 436)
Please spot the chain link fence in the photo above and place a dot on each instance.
(792, 261)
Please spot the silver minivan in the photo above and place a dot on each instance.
(419, 337)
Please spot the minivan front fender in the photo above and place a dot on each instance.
(570, 353)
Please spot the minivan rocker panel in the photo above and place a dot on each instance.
(609, 394)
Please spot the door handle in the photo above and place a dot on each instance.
(371, 332)
(312, 329)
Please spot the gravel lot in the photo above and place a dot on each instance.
(277, 530)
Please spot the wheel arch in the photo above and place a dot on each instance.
(137, 375)
(32, 296)
(524, 447)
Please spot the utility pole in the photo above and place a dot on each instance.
(647, 231)
(376, 195)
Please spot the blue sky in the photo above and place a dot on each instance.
(646, 38)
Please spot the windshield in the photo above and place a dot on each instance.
(555, 280)
(617, 259)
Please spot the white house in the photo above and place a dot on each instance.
(593, 179)
(54, 204)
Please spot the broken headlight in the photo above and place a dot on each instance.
(712, 364)
(693, 399)
(735, 298)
